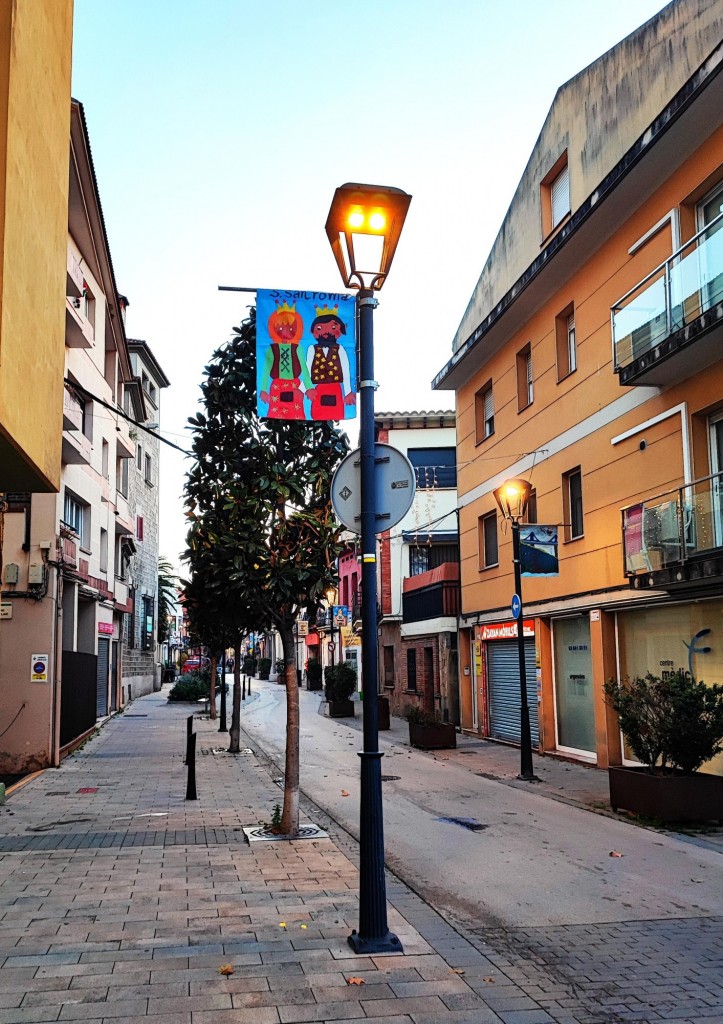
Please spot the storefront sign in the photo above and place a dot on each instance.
(39, 668)
(6, 610)
(303, 627)
(504, 630)
(105, 628)
(349, 637)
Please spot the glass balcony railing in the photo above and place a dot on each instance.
(674, 527)
(671, 296)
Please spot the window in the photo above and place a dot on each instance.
(488, 549)
(560, 196)
(76, 515)
(565, 342)
(149, 470)
(423, 557)
(139, 527)
(389, 665)
(572, 498)
(525, 392)
(139, 458)
(411, 668)
(104, 461)
(103, 560)
(484, 412)
(531, 513)
(86, 420)
(121, 476)
(434, 467)
(555, 195)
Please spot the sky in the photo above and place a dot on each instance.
(220, 129)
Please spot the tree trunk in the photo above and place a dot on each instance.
(212, 691)
(235, 730)
(290, 815)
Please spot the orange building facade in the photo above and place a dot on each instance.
(590, 362)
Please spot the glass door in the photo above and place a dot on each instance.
(574, 706)
(716, 466)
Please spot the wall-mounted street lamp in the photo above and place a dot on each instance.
(363, 227)
(512, 498)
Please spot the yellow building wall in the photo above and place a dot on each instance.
(35, 67)
(613, 476)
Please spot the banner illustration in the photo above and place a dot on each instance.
(305, 355)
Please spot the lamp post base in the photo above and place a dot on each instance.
(388, 943)
(525, 777)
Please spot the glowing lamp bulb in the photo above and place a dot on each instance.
(377, 221)
(356, 219)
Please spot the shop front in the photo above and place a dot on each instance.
(685, 637)
(497, 681)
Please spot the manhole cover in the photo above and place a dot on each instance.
(391, 778)
(471, 824)
(261, 834)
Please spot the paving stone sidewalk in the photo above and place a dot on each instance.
(121, 901)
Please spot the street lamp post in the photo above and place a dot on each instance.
(512, 498)
(331, 599)
(363, 227)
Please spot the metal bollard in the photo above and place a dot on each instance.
(191, 762)
(189, 730)
(222, 725)
(243, 688)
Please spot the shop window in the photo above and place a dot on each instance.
(489, 552)
(565, 342)
(411, 668)
(484, 411)
(572, 500)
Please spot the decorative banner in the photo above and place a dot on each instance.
(538, 550)
(305, 355)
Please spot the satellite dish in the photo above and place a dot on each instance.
(395, 487)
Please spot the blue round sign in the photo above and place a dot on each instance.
(516, 606)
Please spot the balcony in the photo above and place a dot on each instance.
(434, 594)
(124, 523)
(126, 445)
(670, 325)
(675, 540)
(78, 328)
(75, 448)
(72, 411)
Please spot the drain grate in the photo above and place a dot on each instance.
(128, 715)
(471, 824)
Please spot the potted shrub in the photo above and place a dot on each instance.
(427, 731)
(339, 685)
(248, 666)
(673, 725)
(264, 667)
(313, 676)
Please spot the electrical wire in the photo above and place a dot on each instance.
(119, 412)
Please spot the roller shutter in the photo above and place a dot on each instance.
(503, 684)
(101, 702)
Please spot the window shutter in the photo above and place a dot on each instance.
(571, 341)
(560, 196)
(139, 527)
(489, 405)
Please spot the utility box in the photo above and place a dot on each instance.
(36, 573)
(11, 572)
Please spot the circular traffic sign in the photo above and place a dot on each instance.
(395, 487)
(516, 606)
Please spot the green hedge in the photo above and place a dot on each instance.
(189, 687)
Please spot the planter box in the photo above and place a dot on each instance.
(433, 737)
(669, 797)
(341, 708)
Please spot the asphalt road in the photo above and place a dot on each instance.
(535, 862)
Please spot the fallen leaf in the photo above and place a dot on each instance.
(614, 853)
(344, 793)
(355, 981)
(282, 924)
(456, 970)
(490, 981)
(304, 926)
(226, 969)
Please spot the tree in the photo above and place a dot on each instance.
(167, 596)
(259, 492)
